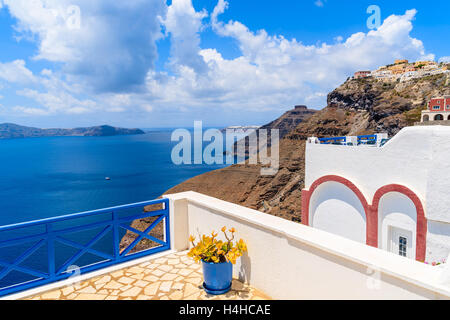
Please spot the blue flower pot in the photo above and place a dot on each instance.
(218, 277)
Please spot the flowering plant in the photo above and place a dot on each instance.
(210, 249)
(436, 263)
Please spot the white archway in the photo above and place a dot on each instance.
(335, 208)
(397, 213)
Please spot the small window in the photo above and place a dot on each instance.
(402, 246)
(437, 108)
(448, 107)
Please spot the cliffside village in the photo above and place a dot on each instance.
(403, 70)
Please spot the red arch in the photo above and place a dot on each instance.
(421, 232)
(371, 217)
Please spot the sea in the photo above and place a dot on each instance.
(55, 176)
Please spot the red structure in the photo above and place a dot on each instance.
(372, 210)
(362, 74)
(439, 104)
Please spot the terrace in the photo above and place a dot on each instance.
(378, 140)
(286, 260)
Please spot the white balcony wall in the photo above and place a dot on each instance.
(287, 260)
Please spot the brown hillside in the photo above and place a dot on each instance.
(361, 106)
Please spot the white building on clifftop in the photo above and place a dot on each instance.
(394, 197)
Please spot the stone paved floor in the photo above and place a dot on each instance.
(174, 277)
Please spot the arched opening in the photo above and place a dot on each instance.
(448, 118)
(402, 225)
(335, 208)
(397, 224)
(426, 118)
(438, 117)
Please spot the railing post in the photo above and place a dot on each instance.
(116, 236)
(51, 251)
(167, 223)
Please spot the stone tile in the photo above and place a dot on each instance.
(190, 289)
(173, 262)
(194, 281)
(126, 280)
(125, 288)
(136, 270)
(166, 286)
(91, 296)
(168, 277)
(151, 278)
(67, 290)
(165, 268)
(89, 289)
(157, 273)
(151, 289)
(194, 296)
(141, 283)
(185, 272)
(177, 295)
(99, 286)
(113, 285)
(117, 274)
(104, 279)
(72, 296)
(138, 276)
(178, 286)
(174, 277)
(132, 292)
(81, 285)
(52, 295)
(160, 260)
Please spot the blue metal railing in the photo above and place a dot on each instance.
(333, 140)
(365, 139)
(113, 223)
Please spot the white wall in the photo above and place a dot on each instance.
(335, 208)
(438, 241)
(287, 260)
(417, 158)
(404, 160)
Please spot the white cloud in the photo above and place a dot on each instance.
(184, 24)
(273, 71)
(58, 102)
(445, 59)
(112, 49)
(16, 72)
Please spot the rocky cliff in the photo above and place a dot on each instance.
(357, 107)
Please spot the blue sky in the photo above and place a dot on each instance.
(156, 63)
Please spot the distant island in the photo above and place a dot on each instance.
(12, 131)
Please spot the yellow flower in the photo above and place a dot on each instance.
(210, 249)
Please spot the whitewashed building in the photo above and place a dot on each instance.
(392, 196)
